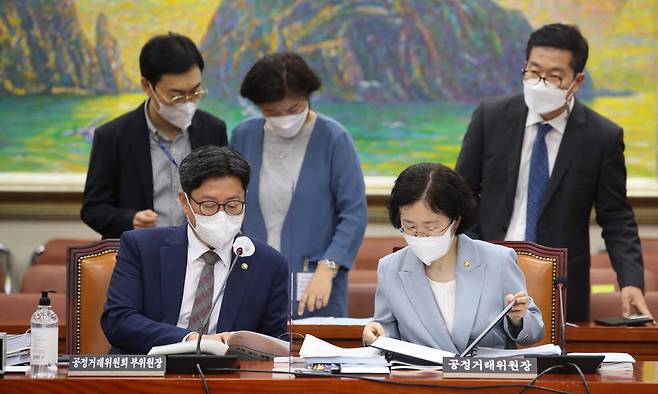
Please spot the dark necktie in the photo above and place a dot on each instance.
(537, 181)
(204, 291)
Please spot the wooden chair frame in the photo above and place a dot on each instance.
(558, 256)
(76, 254)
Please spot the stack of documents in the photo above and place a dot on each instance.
(18, 349)
(355, 360)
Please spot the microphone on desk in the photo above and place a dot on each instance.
(181, 357)
(561, 282)
(564, 362)
(242, 247)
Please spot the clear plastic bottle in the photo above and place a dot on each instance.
(43, 348)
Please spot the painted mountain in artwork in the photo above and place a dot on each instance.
(375, 50)
(45, 51)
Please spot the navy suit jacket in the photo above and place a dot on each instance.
(146, 290)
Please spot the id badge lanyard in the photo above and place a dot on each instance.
(164, 149)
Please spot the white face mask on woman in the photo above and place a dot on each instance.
(429, 249)
(286, 126)
(216, 230)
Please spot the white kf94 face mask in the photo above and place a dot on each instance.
(178, 115)
(217, 230)
(541, 99)
(429, 249)
(286, 126)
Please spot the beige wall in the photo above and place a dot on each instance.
(22, 237)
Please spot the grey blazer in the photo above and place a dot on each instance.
(405, 305)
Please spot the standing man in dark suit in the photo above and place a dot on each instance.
(166, 278)
(540, 161)
(132, 181)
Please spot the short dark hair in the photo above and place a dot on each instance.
(168, 54)
(561, 36)
(443, 190)
(211, 161)
(277, 76)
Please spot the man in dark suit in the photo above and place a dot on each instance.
(132, 181)
(165, 279)
(540, 161)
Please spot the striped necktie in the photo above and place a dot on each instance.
(204, 291)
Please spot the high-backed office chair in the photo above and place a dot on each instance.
(372, 249)
(16, 309)
(44, 277)
(55, 250)
(89, 271)
(541, 265)
(362, 279)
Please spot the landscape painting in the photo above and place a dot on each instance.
(403, 76)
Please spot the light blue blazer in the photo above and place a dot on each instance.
(328, 212)
(405, 305)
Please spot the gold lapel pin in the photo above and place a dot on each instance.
(467, 264)
(244, 266)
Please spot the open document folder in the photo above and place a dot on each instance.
(317, 351)
(410, 353)
(247, 345)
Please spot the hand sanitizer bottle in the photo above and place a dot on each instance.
(43, 349)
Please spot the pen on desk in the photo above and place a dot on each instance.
(571, 324)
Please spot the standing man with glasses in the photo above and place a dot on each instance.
(132, 181)
(167, 278)
(539, 162)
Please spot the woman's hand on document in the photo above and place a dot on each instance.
(371, 331)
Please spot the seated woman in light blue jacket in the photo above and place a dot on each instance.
(307, 197)
(445, 288)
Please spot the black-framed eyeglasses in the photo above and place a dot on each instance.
(427, 232)
(195, 96)
(209, 208)
(532, 77)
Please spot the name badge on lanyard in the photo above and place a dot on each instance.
(303, 279)
(166, 151)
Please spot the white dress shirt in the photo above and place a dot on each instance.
(516, 229)
(444, 295)
(196, 248)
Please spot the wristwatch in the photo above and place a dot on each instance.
(332, 266)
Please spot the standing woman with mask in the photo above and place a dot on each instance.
(307, 199)
(445, 288)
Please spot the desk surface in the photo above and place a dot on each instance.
(640, 342)
(644, 379)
